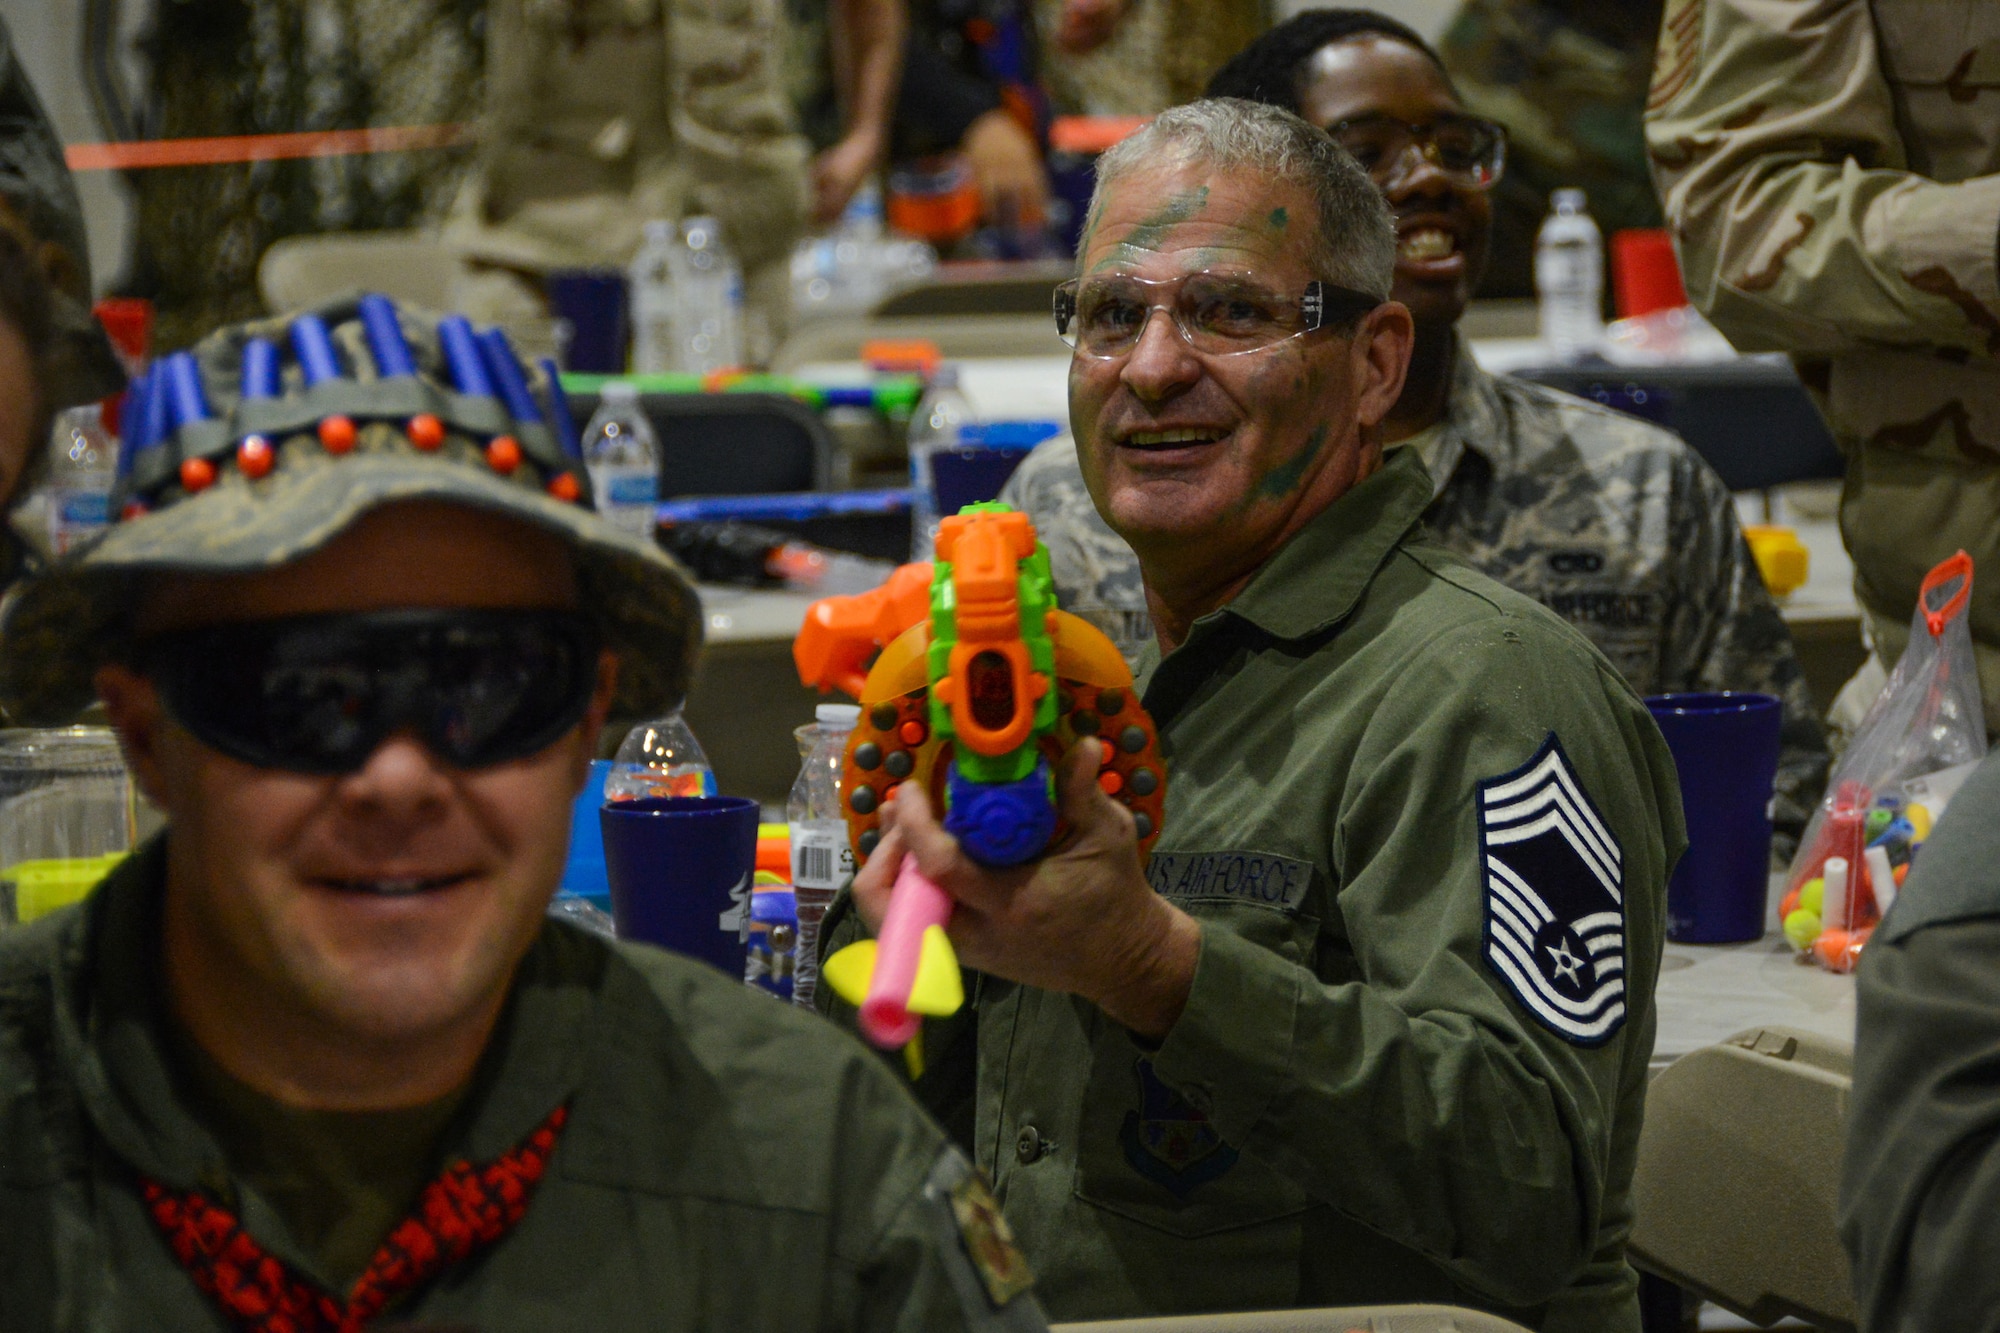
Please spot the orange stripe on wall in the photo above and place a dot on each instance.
(141, 153)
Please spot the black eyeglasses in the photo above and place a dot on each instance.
(1469, 150)
(319, 694)
(1217, 313)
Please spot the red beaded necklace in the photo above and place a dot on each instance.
(465, 1209)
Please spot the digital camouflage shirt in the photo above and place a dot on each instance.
(1612, 523)
(1831, 173)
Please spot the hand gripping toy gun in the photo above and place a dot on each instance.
(973, 695)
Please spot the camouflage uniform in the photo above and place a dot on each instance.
(1568, 80)
(603, 115)
(1612, 523)
(38, 205)
(1832, 175)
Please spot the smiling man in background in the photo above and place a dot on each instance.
(1614, 524)
(1372, 1026)
(316, 1055)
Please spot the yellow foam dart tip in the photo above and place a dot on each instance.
(850, 970)
(938, 990)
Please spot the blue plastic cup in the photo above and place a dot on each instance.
(680, 869)
(1725, 748)
(593, 301)
(583, 873)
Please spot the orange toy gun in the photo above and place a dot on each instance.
(975, 693)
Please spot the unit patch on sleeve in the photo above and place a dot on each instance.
(1554, 898)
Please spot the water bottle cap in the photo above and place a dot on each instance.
(1570, 201)
(623, 392)
(701, 231)
(838, 715)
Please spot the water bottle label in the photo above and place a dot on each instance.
(820, 855)
(91, 509)
(633, 488)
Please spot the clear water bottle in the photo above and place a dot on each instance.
(83, 464)
(821, 859)
(649, 280)
(708, 300)
(1569, 277)
(941, 415)
(659, 758)
(624, 459)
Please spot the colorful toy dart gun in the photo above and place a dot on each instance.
(975, 696)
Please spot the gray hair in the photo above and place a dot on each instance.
(1356, 245)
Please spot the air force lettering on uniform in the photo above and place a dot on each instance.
(1555, 899)
(1258, 878)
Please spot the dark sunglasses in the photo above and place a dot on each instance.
(319, 694)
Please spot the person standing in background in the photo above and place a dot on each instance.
(1831, 173)
(235, 67)
(1568, 80)
(603, 115)
(846, 60)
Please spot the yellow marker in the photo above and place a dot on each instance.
(1920, 822)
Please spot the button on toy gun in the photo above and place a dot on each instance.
(974, 695)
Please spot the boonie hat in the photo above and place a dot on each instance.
(271, 438)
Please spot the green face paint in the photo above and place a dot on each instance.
(1279, 219)
(1149, 233)
(1283, 479)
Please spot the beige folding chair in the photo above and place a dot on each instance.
(1738, 1177)
(1352, 1319)
(409, 266)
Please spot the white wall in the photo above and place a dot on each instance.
(1428, 17)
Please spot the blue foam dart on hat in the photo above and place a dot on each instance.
(187, 401)
(560, 416)
(463, 357)
(385, 337)
(505, 372)
(314, 346)
(262, 377)
(136, 417)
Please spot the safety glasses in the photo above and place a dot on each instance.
(319, 694)
(1218, 314)
(1470, 151)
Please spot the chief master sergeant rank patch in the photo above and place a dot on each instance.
(1555, 898)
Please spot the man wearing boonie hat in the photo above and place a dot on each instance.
(316, 1055)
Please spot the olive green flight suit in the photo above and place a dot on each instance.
(727, 1163)
(1831, 173)
(1412, 1064)
(1921, 1191)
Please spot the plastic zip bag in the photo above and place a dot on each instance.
(1924, 735)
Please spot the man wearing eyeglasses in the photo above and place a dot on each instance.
(1614, 524)
(317, 1057)
(1372, 1024)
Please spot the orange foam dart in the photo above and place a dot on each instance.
(990, 685)
(840, 634)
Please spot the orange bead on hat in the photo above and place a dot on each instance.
(255, 457)
(426, 432)
(503, 455)
(337, 434)
(197, 474)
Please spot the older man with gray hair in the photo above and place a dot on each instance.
(1372, 1024)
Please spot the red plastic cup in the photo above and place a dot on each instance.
(1645, 276)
